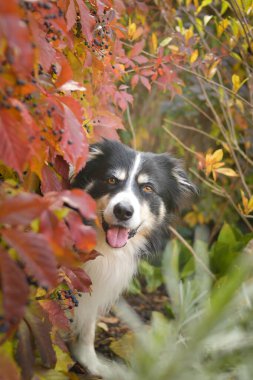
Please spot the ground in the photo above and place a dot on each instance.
(111, 329)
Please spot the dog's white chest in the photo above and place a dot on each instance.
(111, 273)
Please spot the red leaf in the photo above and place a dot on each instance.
(36, 253)
(140, 59)
(14, 287)
(24, 351)
(40, 329)
(137, 49)
(134, 80)
(19, 42)
(145, 82)
(122, 98)
(22, 209)
(47, 54)
(81, 201)
(59, 238)
(55, 313)
(78, 279)
(71, 14)
(84, 237)
(109, 123)
(61, 167)
(74, 105)
(13, 142)
(147, 72)
(74, 143)
(65, 72)
(50, 180)
(87, 20)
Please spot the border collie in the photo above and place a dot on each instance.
(137, 195)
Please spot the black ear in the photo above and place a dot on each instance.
(187, 191)
(84, 177)
(95, 150)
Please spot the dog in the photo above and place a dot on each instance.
(137, 195)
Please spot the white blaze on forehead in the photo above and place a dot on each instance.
(120, 174)
(134, 169)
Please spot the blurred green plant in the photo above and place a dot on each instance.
(210, 332)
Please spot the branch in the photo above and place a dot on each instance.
(194, 254)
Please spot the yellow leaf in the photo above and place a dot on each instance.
(222, 26)
(236, 82)
(131, 29)
(173, 48)
(227, 171)
(138, 33)
(194, 56)
(247, 204)
(188, 34)
(212, 70)
(124, 346)
(217, 155)
(154, 42)
(250, 205)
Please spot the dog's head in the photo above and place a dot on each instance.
(136, 192)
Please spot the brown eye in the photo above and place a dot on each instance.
(111, 181)
(147, 189)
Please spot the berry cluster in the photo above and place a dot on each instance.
(100, 45)
(68, 299)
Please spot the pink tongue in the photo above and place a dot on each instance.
(117, 236)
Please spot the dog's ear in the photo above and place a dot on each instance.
(82, 178)
(188, 191)
(95, 150)
(180, 189)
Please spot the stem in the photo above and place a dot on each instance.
(194, 254)
(131, 127)
(179, 141)
(190, 128)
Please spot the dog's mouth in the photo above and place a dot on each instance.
(116, 235)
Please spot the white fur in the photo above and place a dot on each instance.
(120, 174)
(143, 178)
(110, 273)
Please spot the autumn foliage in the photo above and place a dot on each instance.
(68, 69)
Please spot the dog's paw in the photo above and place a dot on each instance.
(87, 358)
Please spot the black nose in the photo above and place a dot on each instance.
(123, 211)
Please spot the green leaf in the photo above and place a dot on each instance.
(165, 42)
(224, 6)
(227, 235)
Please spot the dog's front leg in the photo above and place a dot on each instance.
(83, 349)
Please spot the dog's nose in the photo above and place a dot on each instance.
(123, 211)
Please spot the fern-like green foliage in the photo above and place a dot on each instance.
(210, 335)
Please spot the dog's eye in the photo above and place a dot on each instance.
(147, 189)
(112, 181)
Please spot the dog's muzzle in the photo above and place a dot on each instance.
(117, 236)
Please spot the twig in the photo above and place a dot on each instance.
(194, 254)
(178, 140)
(190, 128)
(131, 127)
